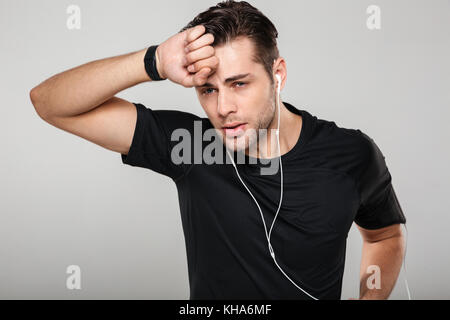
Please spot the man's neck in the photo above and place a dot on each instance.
(290, 128)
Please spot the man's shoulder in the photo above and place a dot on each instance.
(342, 142)
(336, 134)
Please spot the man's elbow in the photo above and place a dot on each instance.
(35, 98)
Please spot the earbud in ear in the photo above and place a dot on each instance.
(279, 82)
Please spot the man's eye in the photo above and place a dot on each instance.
(207, 92)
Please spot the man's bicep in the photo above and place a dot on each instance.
(379, 206)
(109, 125)
(385, 212)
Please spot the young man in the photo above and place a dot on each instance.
(332, 176)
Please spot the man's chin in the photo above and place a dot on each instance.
(238, 143)
(234, 144)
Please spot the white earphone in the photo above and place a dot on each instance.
(277, 132)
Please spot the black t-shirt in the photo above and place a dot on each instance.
(332, 177)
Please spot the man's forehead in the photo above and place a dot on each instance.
(238, 51)
(235, 61)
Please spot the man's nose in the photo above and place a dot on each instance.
(225, 104)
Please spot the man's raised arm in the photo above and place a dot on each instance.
(81, 100)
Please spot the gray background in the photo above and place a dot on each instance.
(67, 201)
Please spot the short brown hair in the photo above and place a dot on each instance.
(230, 19)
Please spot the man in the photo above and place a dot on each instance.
(332, 176)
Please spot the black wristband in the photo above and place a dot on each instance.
(150, 64)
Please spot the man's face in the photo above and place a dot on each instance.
(248, 99)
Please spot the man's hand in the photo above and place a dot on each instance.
(188, 48)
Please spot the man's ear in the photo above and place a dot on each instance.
(279, 68)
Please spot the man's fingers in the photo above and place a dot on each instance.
(211, 62)
(204, 40)
(201, 76)
(199, 54)
(193, 33)
(197, 79)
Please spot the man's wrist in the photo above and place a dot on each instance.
(151, 62)
(158, 65)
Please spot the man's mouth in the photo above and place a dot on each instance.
(234, 129)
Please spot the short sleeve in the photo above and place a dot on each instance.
(379, 206)
(150, 147)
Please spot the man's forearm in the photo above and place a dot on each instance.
(387, 254)
(83, 88)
